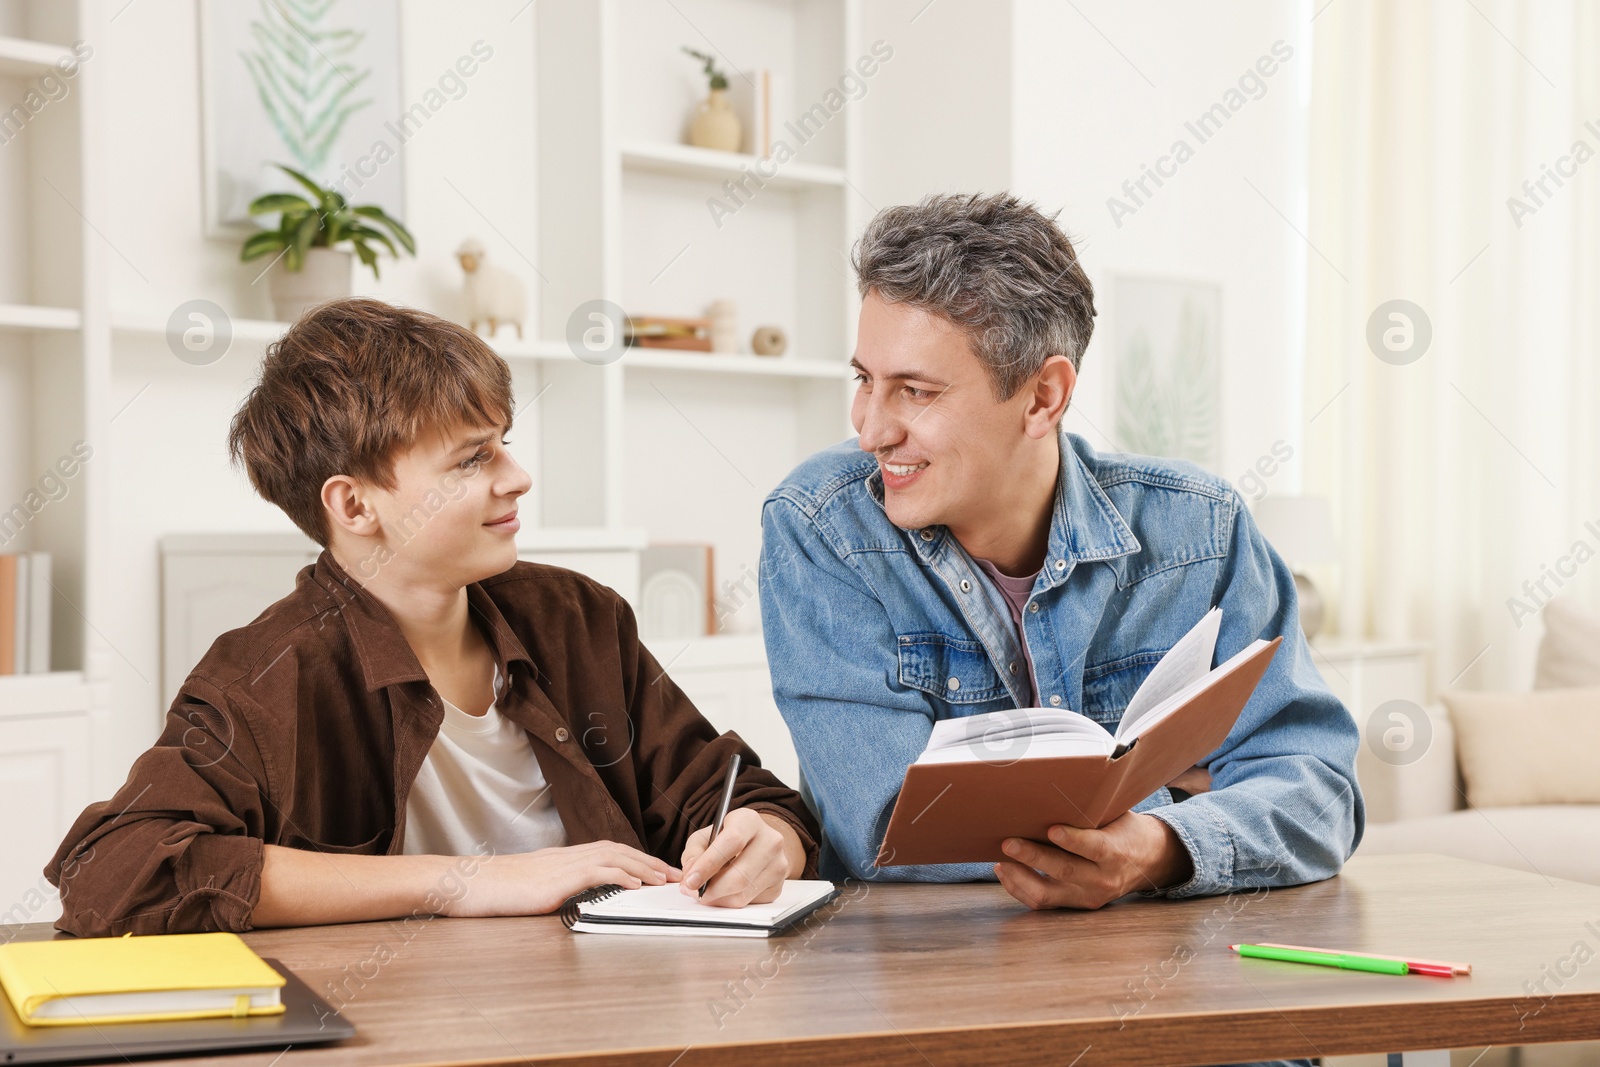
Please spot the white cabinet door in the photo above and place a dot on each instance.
(206, 594)
(44, 784)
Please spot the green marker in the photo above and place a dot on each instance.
(1324, 959)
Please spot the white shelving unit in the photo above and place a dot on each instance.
(54, 384)
(623, 207)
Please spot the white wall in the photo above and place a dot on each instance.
(938, 118)
(1099, 95)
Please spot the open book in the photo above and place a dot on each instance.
(983, 778)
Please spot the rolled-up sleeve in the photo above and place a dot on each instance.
(1284, 807)
(179, 847)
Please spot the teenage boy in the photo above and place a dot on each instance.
(963, 556)
(421, 695)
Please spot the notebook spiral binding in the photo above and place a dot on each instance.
(569, 909)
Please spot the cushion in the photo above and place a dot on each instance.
(1569, 653)
(1541, 747)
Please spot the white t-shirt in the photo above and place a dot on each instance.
(480, 788)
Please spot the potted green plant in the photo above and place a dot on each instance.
(714, 124)
(311, 267)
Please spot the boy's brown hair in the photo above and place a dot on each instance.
(350, 384)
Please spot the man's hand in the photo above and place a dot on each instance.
(1091, 868)
(748, 861)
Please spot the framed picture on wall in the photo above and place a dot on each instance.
(312, 84)
(1168, 340)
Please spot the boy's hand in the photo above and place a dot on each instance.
(746, 864)
(536, 883)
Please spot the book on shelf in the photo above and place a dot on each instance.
(658, 331)
(757, 98)
(24, 613)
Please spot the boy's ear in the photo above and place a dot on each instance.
(1048, 396)
(348, 509)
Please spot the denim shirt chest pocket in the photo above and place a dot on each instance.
(1109, 687)
(956, 670)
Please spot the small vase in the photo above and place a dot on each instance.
(715, 125)
(325, 275)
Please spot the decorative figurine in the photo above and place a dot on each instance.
(494, 295)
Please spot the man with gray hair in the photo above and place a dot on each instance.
(963, 555)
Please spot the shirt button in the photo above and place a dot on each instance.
(1061, 564)
(1055, 702)
(966, 586)
(927, 535)
(561, 733)
(1013, 668)
(954, 683)
(1033, 607)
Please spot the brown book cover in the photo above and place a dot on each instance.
(683, 344)
(659, 326)
(960, 812)
(8, 615)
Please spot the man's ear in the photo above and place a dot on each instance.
(1048, 396)
(348, 508)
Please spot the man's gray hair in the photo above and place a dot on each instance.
(993, 265)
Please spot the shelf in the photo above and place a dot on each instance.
(261, 330)
(55, 693)
(33, 317)
(711, 363)
(264, 331)
(691, 162)
(24, 58)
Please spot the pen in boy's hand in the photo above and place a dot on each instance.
(722, 809)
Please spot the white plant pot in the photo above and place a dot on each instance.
(325, 275)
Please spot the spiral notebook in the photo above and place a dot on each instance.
(664, 909)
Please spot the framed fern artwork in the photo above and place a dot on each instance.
(1168, 340)
(314, 84)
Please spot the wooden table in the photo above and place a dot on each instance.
(961, 974)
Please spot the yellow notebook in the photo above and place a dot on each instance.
(137, 979)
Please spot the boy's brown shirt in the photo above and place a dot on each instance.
(307, 727)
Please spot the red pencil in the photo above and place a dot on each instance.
(1436, 968)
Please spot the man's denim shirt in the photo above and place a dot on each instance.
(874, 633)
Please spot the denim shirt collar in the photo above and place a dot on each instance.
(1087, 527)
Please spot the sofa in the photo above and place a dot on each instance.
(1501, 778)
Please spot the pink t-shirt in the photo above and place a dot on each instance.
(1015, 592)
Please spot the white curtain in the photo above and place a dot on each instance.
(1466, 482)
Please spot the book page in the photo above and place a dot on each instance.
(1022, 748)
(1185, 662)
(1126, 734)
(1013, 734)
